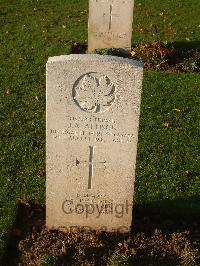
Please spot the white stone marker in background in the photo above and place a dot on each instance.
(110, 24)
(93, 107)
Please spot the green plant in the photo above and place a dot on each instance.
(118, 260)
(191, 63)
(111, 51)
(49, 260)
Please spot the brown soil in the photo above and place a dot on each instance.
(156, 56)
(154, 242)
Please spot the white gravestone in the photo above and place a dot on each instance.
(110, 24)
(93, 106)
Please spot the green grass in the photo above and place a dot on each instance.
(168, 153)
(169, 21)
(32, 31)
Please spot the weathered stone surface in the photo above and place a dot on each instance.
(93, 106)
(110, 24)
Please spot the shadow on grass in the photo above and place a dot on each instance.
(30, 218)
(186, 56)
(80, 48)
(168, 216)
(186, 45)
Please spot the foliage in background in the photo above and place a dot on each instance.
(111, 51)
(48, 260)
(190, 62)
(118, 260)
(154, 55)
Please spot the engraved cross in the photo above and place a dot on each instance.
(111, 16)
(110, 20)
(91, 164)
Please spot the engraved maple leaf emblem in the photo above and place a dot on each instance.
(95, 95)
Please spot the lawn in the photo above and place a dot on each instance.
(168, 152)
(32, 31)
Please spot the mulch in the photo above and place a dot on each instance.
(154, 241)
